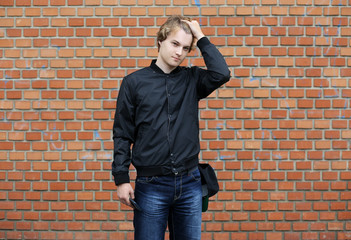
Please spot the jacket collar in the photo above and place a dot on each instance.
(154, 67)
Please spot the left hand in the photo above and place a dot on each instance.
(195, 28)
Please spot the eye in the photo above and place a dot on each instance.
(175, 44)
(186, 49)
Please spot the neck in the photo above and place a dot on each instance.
(166, 69)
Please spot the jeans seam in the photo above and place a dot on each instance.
(180, 188)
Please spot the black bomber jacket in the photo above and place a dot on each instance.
(157, 114)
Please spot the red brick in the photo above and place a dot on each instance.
(301, 157)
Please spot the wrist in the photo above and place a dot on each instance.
(200, 36)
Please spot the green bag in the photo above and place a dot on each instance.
(204, 203)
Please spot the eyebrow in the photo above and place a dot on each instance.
(180, 44)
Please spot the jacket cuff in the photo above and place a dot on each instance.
(203, 42)
(121, 178)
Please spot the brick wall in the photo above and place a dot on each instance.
(278, 134)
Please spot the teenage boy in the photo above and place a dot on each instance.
(157, 114)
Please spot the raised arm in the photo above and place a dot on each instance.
(217, 72)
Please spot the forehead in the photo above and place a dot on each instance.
(181, 37)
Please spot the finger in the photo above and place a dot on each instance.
(124, 199)
(128, 203)
(190, 23)
(187, 22)
(125, 202)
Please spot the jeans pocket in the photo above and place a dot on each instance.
(145, 179)
(196, 175)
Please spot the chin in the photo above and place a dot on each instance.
(175, 64)
(179, 62)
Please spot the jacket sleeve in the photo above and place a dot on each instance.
(123, 134)
(217, 72)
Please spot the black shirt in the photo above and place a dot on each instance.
(157, 114)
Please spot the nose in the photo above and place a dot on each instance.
(179, 51)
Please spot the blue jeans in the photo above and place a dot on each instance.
(173, 199)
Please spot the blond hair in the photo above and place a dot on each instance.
(174, 23)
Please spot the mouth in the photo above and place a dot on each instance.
(176, 59)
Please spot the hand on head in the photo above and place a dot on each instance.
(195, 28)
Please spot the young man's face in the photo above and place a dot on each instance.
(174, 49)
